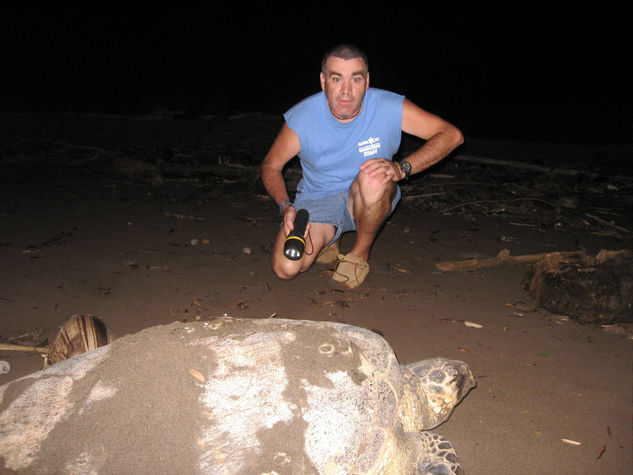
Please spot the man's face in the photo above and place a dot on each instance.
(345, 82)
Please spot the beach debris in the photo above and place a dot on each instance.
(198, 375)
(521, 307)
(472, 324)
(401, 269)
(504, 257)
(182, 216)
(58, 239)
(626, 330)
(5, 367)
(14, 347)
(80, 333)
(131, 264)
(465, 322)
(585, 288)
(610, 224)
(571, 442)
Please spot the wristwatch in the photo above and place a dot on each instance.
(406, 168)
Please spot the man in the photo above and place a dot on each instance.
(345, 137)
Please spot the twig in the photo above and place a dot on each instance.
(496, 201)
(427, 195)
(71, 145)
(12, 347)
(522, 165)
(183, 216)
(607, 223)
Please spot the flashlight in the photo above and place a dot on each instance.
(295, 244)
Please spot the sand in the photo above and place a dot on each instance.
(77, 235)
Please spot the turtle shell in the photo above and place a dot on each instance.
(220, 396)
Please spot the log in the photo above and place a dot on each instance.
(504, 257)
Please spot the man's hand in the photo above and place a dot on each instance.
(383, 169)
(290, 213)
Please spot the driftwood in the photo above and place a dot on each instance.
(504, 257)
(607, 223)
(522, 165)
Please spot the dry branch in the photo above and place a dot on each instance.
(607, 223)
(504, 257)
(522, 165)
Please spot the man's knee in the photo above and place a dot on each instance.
(371, 189)
(284, 268)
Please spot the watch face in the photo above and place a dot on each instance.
(406, 167)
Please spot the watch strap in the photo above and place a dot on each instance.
(284, 204)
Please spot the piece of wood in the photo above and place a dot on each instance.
(504, 257)
(522, 165)
(12, 347)
(608, 223)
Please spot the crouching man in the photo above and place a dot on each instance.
(345, 137)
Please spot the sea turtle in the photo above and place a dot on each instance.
(228, 396)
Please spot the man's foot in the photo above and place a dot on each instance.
(328, 254)
(351, 270)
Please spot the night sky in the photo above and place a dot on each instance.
(519, 72)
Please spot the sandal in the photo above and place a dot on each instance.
(328, 254)
(351, 270)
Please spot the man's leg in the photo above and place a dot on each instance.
(370, 205)
(320, 234)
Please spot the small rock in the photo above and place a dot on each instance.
(194, 242)
(246, 250)
(5, 367)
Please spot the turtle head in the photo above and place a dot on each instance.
(442, 383)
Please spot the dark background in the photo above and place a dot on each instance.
(523, 72)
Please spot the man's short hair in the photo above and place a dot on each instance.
(344, 51)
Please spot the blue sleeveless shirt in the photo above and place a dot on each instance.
(332, 152)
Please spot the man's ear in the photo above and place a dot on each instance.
(367, 83)
(322, 78)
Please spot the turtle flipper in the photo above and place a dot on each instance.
(438, 456)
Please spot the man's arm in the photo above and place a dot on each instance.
(441, 139)
(283, 149)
